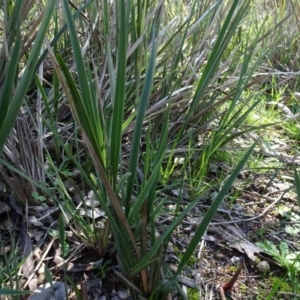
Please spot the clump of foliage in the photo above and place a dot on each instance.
(132, 87)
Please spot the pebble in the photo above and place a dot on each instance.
(263, 266)
(124, 294)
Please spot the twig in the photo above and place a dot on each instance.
(222, 295)
(40, 262)
(275, 201)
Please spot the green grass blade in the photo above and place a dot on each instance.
(228, 29)
(27, 76)
(118, 104)
(61, 31)
(134, 212)
(88, 111)
(141, 112)
(10, 77)
(82, 76)
(161, 151)
(6, 292)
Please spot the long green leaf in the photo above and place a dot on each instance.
(10, 77)
(134, 212)
(61, 31)
(82, 77)
(88, 105)
(118, 104)
(13, 292)
(27, 75)
(228, 29)
(141, 113)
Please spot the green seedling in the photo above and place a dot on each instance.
(287, 259)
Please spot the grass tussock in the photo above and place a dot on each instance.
(114, 114)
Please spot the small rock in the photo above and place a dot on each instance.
(124, 294)
(297, 95)
(238, 208)
(213, 168)
(75, 173)
(263, 266)
(235, 259)
(91, 200)
(2, 189)
(79, 197)
(41, 270)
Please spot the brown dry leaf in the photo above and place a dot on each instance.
(33, 284)
(28, 266)
(92, 213)
(26, 245)
(236, 238)
(41, 214)
(32, 220)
